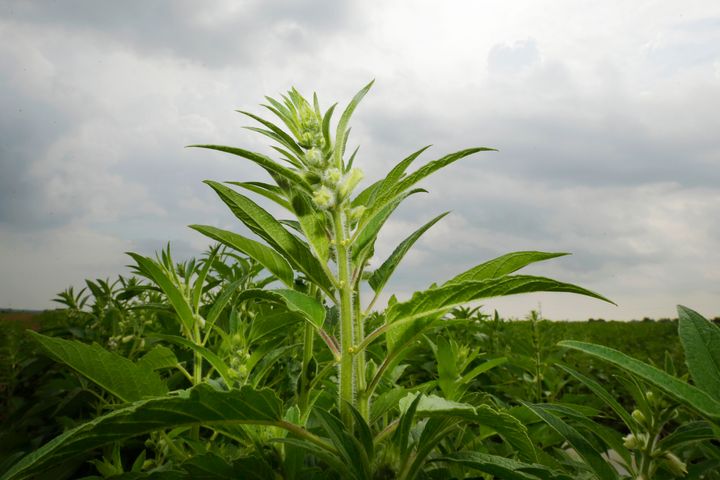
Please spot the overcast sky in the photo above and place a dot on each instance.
(606, 116)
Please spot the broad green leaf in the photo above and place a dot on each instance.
(268, 324)
(381, 275)
(501, 467)
(311, 309)
(214, 360)
(271, 192)
(201, 405)
(341, 132)
(269, 229)
(158, 358)
(582, 447)
(264, 255)
(701, 343)
(116, 374)
(404, 318)
(155, 272)
(504, 265)
(271, 166)
(676, 388)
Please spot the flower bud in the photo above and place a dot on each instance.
(324, 198)
(350, 182)
(355, 213)
(332, 176)
(675, 465)
(314, 158)
(635, 442)
(126, 338)
(638, 416)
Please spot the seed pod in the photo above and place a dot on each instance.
(638, 416)
(675, 465)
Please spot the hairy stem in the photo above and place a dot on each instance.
(347, 327)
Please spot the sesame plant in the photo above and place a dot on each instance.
(349, 413)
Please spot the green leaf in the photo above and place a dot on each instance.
(404, 318)
(448, 374)
(116, 374)
(405, 183)
(221, 301)
(155, 272)
(312, 223)
(381, 275)
(269, 229)
(507, 426)
(701, 342)
(279, 133)
(271, 192)
(341, 131)
(272, 167)
(676, 388)
(201, 276)
(214, 360)
(686, 433)
(158, 358)
(264, 255)
(201, 405)
(582, 447)
(501, 467)
(310, 308)
(602, 394)
(367, 231)
(394, 175)
(503, 265)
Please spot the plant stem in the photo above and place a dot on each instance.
(364, 400)
(305, 381)
(347, 373)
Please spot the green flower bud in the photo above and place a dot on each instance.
(355, 213)
(324, 198)
(332, 176)
(314, 158)
(635, 442)
(675, 465)
(350, 182)
(638, 416)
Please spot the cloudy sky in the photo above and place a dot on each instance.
(605, 115)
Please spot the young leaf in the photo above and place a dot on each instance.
(116, 374)
(271, 192)
(214, 360)
(701, 343)
(676, 388)
(341, 131)
(311, 309)
(381, 275)
(158, 358)
(501, 467)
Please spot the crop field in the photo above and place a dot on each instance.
(270, 357)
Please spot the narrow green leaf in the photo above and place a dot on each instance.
(214, 360)
(264, 255)
(381, 275)
(271, 166)
(701, 343)
(116, 374)
(403, 318)
(593, 459)
(221, 301)
(602, 394)
(201, 276)
(341, 131)
(201, 405)
(686, 433)
(269, 229)
(282, 137)
(271, 192)
(313, 224)
(503, 265)
(155, 272)
(681, 391)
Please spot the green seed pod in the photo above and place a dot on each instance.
(638, 416)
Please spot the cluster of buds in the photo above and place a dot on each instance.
(310, 127)
(335, 187)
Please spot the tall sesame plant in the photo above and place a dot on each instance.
(329, 244)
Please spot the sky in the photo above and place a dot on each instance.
(605, 115)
